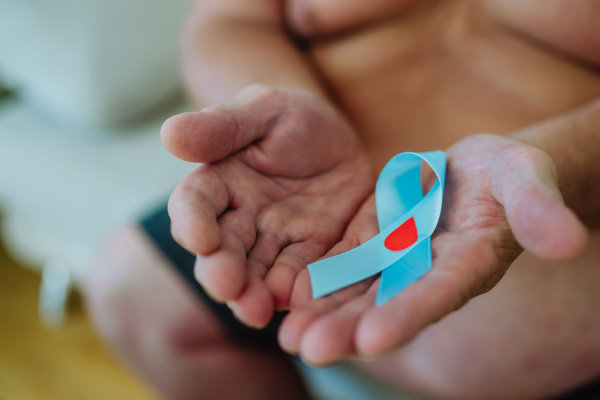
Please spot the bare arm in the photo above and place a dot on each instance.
(573, 141)
(229, 44)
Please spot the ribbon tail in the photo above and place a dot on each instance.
(405, 271)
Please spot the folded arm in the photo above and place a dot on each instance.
(230, 44)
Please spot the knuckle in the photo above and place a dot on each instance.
(529, 158)
(529, 155)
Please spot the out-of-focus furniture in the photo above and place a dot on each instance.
(60, 196)
(80, 152)
(93, 61)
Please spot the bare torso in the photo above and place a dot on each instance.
(428, 76)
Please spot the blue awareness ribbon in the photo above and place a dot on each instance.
(400, 204)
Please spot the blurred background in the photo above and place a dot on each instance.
(84, 89)
(85, 86)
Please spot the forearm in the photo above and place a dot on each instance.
(573, 141)
(230, 44)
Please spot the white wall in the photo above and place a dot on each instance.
(91, 61)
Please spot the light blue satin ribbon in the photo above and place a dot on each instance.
(399, 197)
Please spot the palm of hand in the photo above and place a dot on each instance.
(473, 226)
(285, 175)
(491, 182)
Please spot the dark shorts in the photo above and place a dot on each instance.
(157, 227)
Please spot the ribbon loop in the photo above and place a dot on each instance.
(407, 219)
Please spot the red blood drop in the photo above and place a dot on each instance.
(403, 236)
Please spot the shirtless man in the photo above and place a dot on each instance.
(345, 86)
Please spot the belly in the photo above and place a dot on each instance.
(425, 80)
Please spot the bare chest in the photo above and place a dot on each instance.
(429, 76)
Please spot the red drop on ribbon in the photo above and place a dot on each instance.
(403, 236)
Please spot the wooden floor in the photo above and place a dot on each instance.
(68, 363)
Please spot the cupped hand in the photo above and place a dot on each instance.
(501, 196)
(282, 174)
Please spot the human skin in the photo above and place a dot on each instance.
(425, 78)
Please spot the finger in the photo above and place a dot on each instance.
(293, 259)
(194, 206)
(464, 266)
(304, 311)
(331, 337)
(362, 228)
(300, 319)
(397, 321)
(223, 274)
(302, 290)
(535, 210)
(254, 307)
(266, 249)
(219, 131)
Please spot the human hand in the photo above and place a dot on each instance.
(283, 174)
(500, 196)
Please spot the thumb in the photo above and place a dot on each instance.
(219, 131)
(535, 209)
